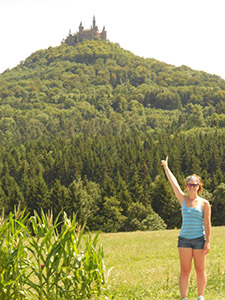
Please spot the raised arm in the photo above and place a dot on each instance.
(173, 181)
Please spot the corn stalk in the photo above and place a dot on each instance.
(44, 259)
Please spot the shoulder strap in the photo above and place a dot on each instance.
(184, 204)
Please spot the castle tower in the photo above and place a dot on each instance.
(94, 22)
(103, 34)
(81, 28)
(94, 28)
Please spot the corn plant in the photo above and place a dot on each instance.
(83, 271)
(12, 256)
(44, 259)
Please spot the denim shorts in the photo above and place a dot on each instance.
(197, 243)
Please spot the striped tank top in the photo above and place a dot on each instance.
(192, 221)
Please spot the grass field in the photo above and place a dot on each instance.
(146, 265)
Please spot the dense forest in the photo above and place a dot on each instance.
(83, 130)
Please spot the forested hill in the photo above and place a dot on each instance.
(84, 128)
(65, 90)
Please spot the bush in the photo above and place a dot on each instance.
(153, 222)
(143, 218)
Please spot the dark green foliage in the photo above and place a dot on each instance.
(164, 203)
(83, 130)
(218, 205)
(153, 222)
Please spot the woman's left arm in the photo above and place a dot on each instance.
(207, 225)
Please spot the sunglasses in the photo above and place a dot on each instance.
(192, 184)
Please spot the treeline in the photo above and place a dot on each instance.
(113, 182)
(83, 129)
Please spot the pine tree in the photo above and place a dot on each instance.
(13, 195)
(59, 198)
(164, 203)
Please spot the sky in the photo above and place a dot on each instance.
(177, 32)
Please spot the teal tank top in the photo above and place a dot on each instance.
(192, 222)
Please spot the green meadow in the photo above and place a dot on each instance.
(145, 265)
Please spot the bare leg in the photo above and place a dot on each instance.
(199, 260)
(185, 269)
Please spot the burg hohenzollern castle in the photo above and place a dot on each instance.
(86, 34)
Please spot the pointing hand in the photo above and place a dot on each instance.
(165, 162)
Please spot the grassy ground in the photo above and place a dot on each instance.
(146, 265)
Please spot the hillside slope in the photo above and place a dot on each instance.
(83, 129)
(65, 90)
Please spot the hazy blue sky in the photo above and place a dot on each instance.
(178, 32)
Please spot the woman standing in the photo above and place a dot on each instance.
(194, 238)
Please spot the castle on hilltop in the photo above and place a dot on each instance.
(86, 34)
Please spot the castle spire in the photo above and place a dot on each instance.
(94, 22)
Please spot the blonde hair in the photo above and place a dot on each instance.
(195, 177)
